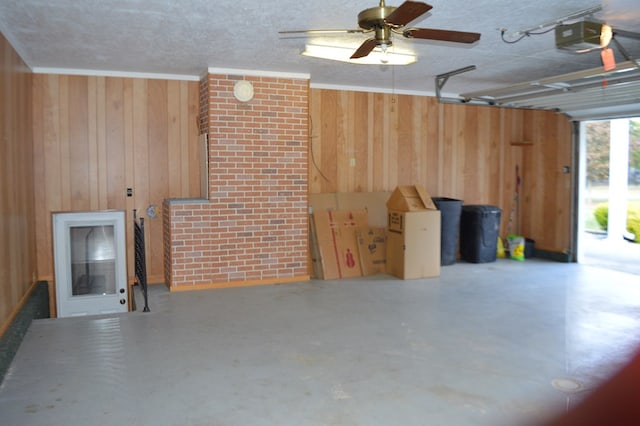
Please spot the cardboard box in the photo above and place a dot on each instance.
(413, 244)
(413, 238)
(410, 198)
(337, 243)
(372, 245)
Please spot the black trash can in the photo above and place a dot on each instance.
(450, 210)
(479, 228)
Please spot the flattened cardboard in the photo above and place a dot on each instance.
(410, 198)
(324, 201)
(373, 202)
(337, 242)
(372, 247)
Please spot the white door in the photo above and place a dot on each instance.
(90, 263)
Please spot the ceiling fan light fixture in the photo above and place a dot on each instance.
(384, 58)
(383, 21)
(376, 57)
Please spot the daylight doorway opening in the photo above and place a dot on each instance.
(609, 194)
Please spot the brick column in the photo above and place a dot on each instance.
(254, 227)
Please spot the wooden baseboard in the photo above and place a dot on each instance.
(151, 279)
(155, 279)
(231, 284)
(553, 255)
(5, 326)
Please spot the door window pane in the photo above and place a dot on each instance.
(93, 260)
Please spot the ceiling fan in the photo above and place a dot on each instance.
(384, 20)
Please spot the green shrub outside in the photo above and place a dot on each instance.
(601, 213)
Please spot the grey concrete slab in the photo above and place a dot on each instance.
(480, 345)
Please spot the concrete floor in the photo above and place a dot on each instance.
(616, 254)
(481, 345)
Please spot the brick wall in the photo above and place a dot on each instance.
(254, 227)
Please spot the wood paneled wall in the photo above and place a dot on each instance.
(372, 142)
(94, 137)
(17, 230)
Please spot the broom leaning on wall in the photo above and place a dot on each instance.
(513, 245)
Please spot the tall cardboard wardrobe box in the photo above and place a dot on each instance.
(413, 238)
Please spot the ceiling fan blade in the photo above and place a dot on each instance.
(365, 48)
(407, 12)
(443, 35)
(358, 31)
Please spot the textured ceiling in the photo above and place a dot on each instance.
(186, 37)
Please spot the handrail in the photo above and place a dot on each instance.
(140, 258)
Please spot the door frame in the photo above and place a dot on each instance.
(91, 304)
